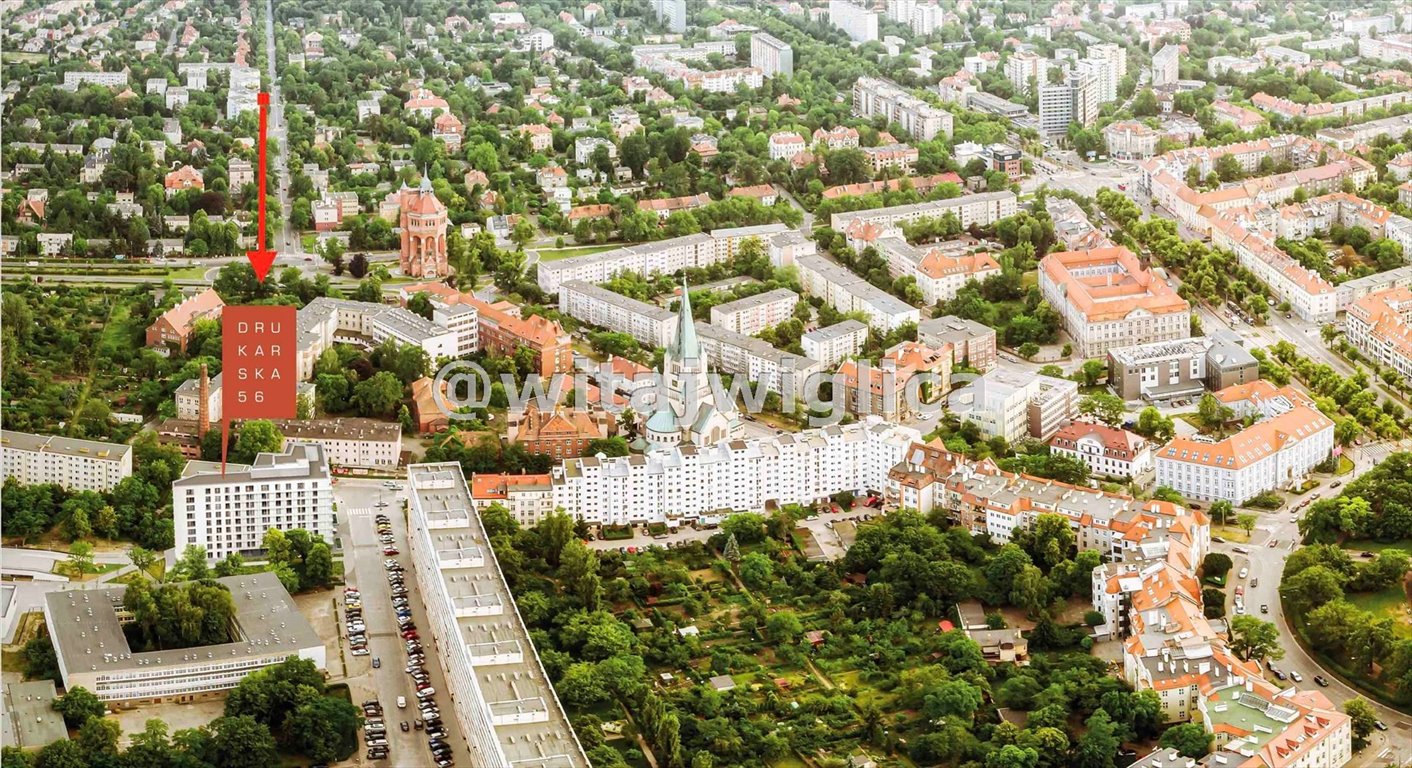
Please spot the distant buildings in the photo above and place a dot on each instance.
(1164, 66)
(1380, 326)
(1107, 300)
(771, 55)
(230, 513)
(671, 13)
(423, 220)
(662, 256)
(499, 327)
(173, 328)
(753, 314)
(1289, 438)
(75, 465)
(972, 344)
(873, 97)
(325, 321)
(859, 23)
(1075, 100)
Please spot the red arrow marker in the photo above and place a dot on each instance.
(260, 259)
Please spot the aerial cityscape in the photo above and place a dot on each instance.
(706, 384)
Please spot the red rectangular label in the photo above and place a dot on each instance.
(259, 363)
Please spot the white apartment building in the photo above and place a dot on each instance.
(755, 360)
(1291, 438)
(325, 321)
(230, 513)
(1023, 69)
(682, 484)
(784, 145)
(505, 706)
(1165, 66)
(188, 397)
(983, 210)
(1073, 101)
(584, 147)
(94, 653)
(75, 80)
(76, 465)
(847, 292)
(924, 121)
(1108, 300)
(348, 442)
(859, 23)
(753, 314)
(1106, 451)
(463, 320)
(999, 403)
(771, 55)
(649, 324)
(835, 343)
(663, 256)
(1380, 326)
(1112, 66)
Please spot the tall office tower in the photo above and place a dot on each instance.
(672, 13)
(1164, 66)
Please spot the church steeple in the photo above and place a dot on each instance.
(686, 347)
(426, 181)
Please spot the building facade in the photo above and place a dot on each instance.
(1108, 299)
(1106, 451)
(76, 465)
(423, 220)
(771, 55)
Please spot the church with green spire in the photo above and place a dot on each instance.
(685, 411)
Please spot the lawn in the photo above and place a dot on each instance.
(555, 254)
(1390, 602)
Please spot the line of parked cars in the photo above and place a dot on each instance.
(375, 730)
(430, 719)
(353, 621)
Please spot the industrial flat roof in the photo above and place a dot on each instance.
(31, 719)
(510, 682)
(89, 636)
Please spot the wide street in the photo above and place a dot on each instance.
(1266, 563)
(363, 567)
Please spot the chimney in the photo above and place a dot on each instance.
(203, 413)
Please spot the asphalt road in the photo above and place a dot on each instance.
(1265, 564)
(363, 567)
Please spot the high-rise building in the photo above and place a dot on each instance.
(423, 222)
(1024, 68)
(1164, 66)
(1110, 62)
(1073, 101)
(873, 96)
(672, 14)
(771, 55)
(230, 512)
(859, 23)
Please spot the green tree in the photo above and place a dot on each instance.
(1190, 739)
(1107, 408)
(255, 437)
(1363, 716)
(77, 705)
(242, 742)
(325, 729)
(1252, 638)
(80, 557)
(378, 396)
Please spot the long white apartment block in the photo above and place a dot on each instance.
(649, 324)
(686, 483)
(77, 465)
(662, 256)
(727, 351)
(753, 314)
(847, 292)
(982, 210)
(771, 55)
(230, 512)
(93, 652)
(505, 706)
(874, 97)
(325, 321)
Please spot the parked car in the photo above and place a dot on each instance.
(1323, 683)
(1296, 677)
(377, 662)
(1380, 725)
(401, 702)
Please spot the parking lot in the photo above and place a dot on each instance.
(366, 570)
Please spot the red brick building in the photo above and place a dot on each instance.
(175, 325)
(423, 221)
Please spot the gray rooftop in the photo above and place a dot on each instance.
(508, 680)
(266, 620)
(91, 449)
(845, 328)
(30, 718)
(758, 300)
(300, 460)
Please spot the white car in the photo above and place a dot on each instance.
(1244, 572)
(401, 702)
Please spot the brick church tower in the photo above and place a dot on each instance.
(423, 221)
